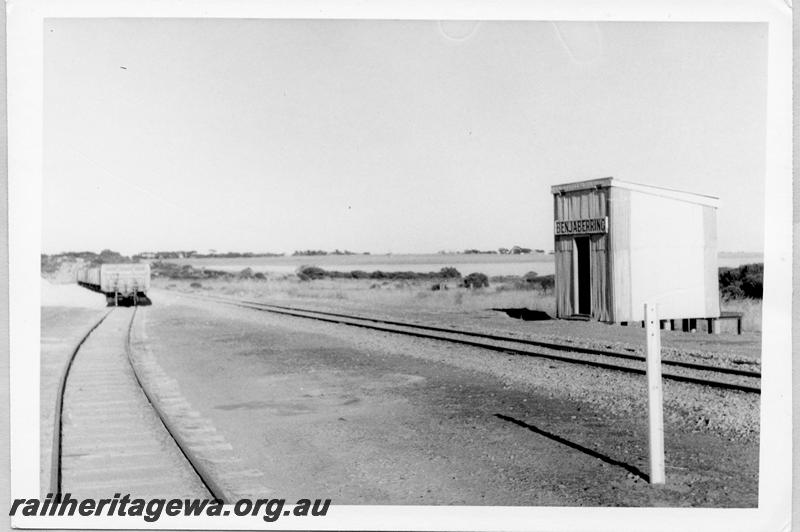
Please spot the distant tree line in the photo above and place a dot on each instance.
(514, 250)
(316, 252)
(52, 263)
(162, 255)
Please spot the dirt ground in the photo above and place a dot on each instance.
(370, 418)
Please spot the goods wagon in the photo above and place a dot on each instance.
(121, 283)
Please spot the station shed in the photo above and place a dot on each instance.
(619, 245)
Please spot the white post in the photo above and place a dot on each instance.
(654, 395)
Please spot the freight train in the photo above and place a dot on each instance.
(122, 284)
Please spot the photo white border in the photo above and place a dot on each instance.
(25, 100)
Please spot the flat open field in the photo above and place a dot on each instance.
(416, 297)
(411, 298)
(489, 264)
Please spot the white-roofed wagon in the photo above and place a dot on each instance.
(126, 283)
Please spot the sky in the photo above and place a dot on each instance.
(386, 136)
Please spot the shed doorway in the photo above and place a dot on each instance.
(582, 277)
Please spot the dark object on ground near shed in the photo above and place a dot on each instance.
(525, 314)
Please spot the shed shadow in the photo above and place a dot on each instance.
(525, 314)
(591, 452)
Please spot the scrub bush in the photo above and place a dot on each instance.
(476, 280)
(745, 281)
(449, 273)
(310, 273)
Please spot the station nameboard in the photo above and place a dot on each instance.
(581, 227)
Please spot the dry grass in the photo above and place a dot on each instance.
(406, 295)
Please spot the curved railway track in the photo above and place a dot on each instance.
(680, 371)
(109, 435)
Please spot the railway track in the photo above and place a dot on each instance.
(676, 370)
(109, 437)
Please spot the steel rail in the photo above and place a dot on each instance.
(210, 484)
(58, 426)
(343, 319)
(537, 343)
(56, 470)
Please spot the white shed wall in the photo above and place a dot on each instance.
(668, 251)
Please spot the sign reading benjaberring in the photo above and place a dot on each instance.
(587, 226)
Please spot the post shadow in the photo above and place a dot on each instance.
(607, 459)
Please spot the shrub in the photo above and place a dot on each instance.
(196, 285)
(109, 257)
(260, 276)
(476, 280)
(359, 274)
(529, 281)
(546, 282)
(310, 273)
(449, 273)
(745, 281)
(753, 285)
(732, 292)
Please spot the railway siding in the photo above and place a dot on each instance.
(62, 330)
(691, 372)
(731, 351)
(113, 441)
(212, 456)
(693, 407)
